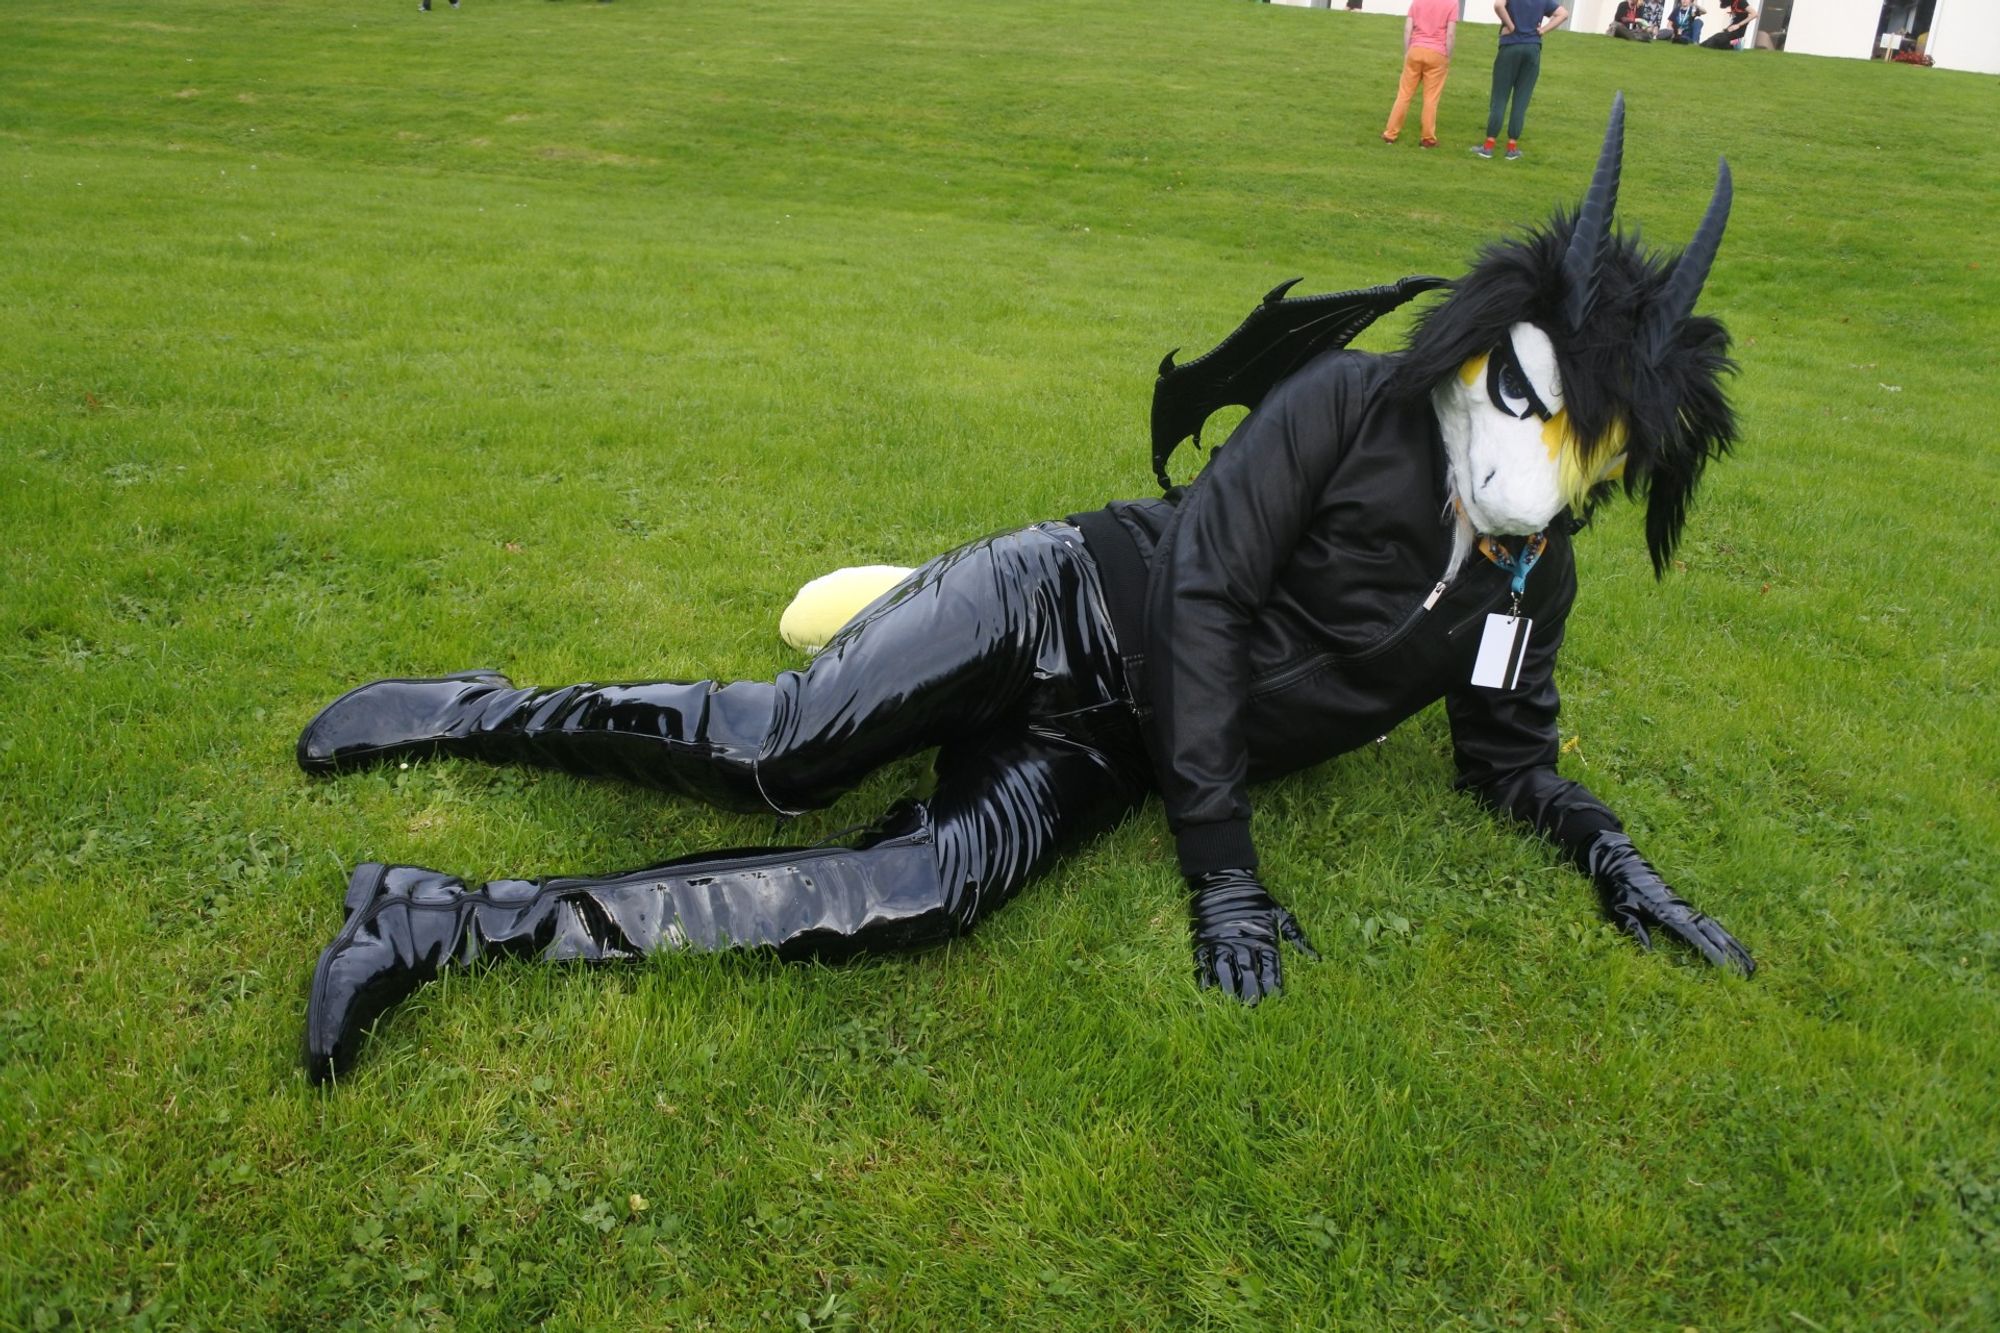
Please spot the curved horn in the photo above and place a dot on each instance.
(1676, 302)
(1593, 223)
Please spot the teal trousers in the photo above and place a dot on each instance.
(1515, 70)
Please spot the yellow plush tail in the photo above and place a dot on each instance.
(823, 607)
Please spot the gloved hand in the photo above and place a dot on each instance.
(1639, 902)
(1237, 926)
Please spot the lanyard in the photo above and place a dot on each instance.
(1517, 565)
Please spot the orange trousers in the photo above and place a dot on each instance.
(1428, 67)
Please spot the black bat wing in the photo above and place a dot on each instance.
(1279, 336)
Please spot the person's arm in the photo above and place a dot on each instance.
(1408, 24)
(1450, 37)
(1506, 745)
(1506, 18)
(1554, 21)
(1229, 540)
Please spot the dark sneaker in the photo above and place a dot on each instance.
(1427, 143)
(1513, 155)
(1482, 150)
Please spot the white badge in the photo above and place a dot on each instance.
(1501, 650)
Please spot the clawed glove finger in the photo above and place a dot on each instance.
(1260, 973)
(1705, 936)
(1288, 926)
(1224, 972)
(1627, 919)
(1715, 944)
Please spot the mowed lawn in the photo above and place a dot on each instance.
(341, 341)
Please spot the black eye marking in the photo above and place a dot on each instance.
(1487, 480)
(1508, 388)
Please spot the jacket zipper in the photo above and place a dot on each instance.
(1279, 680)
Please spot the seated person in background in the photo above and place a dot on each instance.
(1630, 22)
(1685, 23)
(1736, 20)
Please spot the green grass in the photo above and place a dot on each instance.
(340, 341)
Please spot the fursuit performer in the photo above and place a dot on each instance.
(1379, 533)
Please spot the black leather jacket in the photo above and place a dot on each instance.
(1284, 612)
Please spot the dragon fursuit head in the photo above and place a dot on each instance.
(1569, 359)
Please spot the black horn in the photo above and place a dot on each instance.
(1593, 222)
(1676, 302)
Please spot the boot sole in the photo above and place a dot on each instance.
(353, 759)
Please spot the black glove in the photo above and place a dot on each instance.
(1237, 926)
(1639, 901)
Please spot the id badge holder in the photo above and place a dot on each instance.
(1502, 649)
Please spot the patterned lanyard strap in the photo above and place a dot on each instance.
(1517, 565)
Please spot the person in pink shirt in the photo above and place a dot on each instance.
(1428, 34)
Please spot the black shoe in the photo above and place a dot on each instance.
(394, 717)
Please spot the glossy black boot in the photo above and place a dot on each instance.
(389, 719)
(695, 738)
(405, 925)
(1006, 631)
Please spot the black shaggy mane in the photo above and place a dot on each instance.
(1676, 414)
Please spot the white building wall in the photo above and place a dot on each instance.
(1832, 27)
(1589, 15)
(1965, 34)
(1478, 11)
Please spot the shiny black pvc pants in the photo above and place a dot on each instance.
(1000, 654)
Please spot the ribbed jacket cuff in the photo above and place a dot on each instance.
(1205, 848)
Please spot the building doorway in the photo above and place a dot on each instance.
(1772, 20)
(1905, 25)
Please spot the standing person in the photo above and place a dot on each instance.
(1736, 20)
(1517, 65)
(1428, 35)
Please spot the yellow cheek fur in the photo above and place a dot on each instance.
(1579, 468)
(1469, 373)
